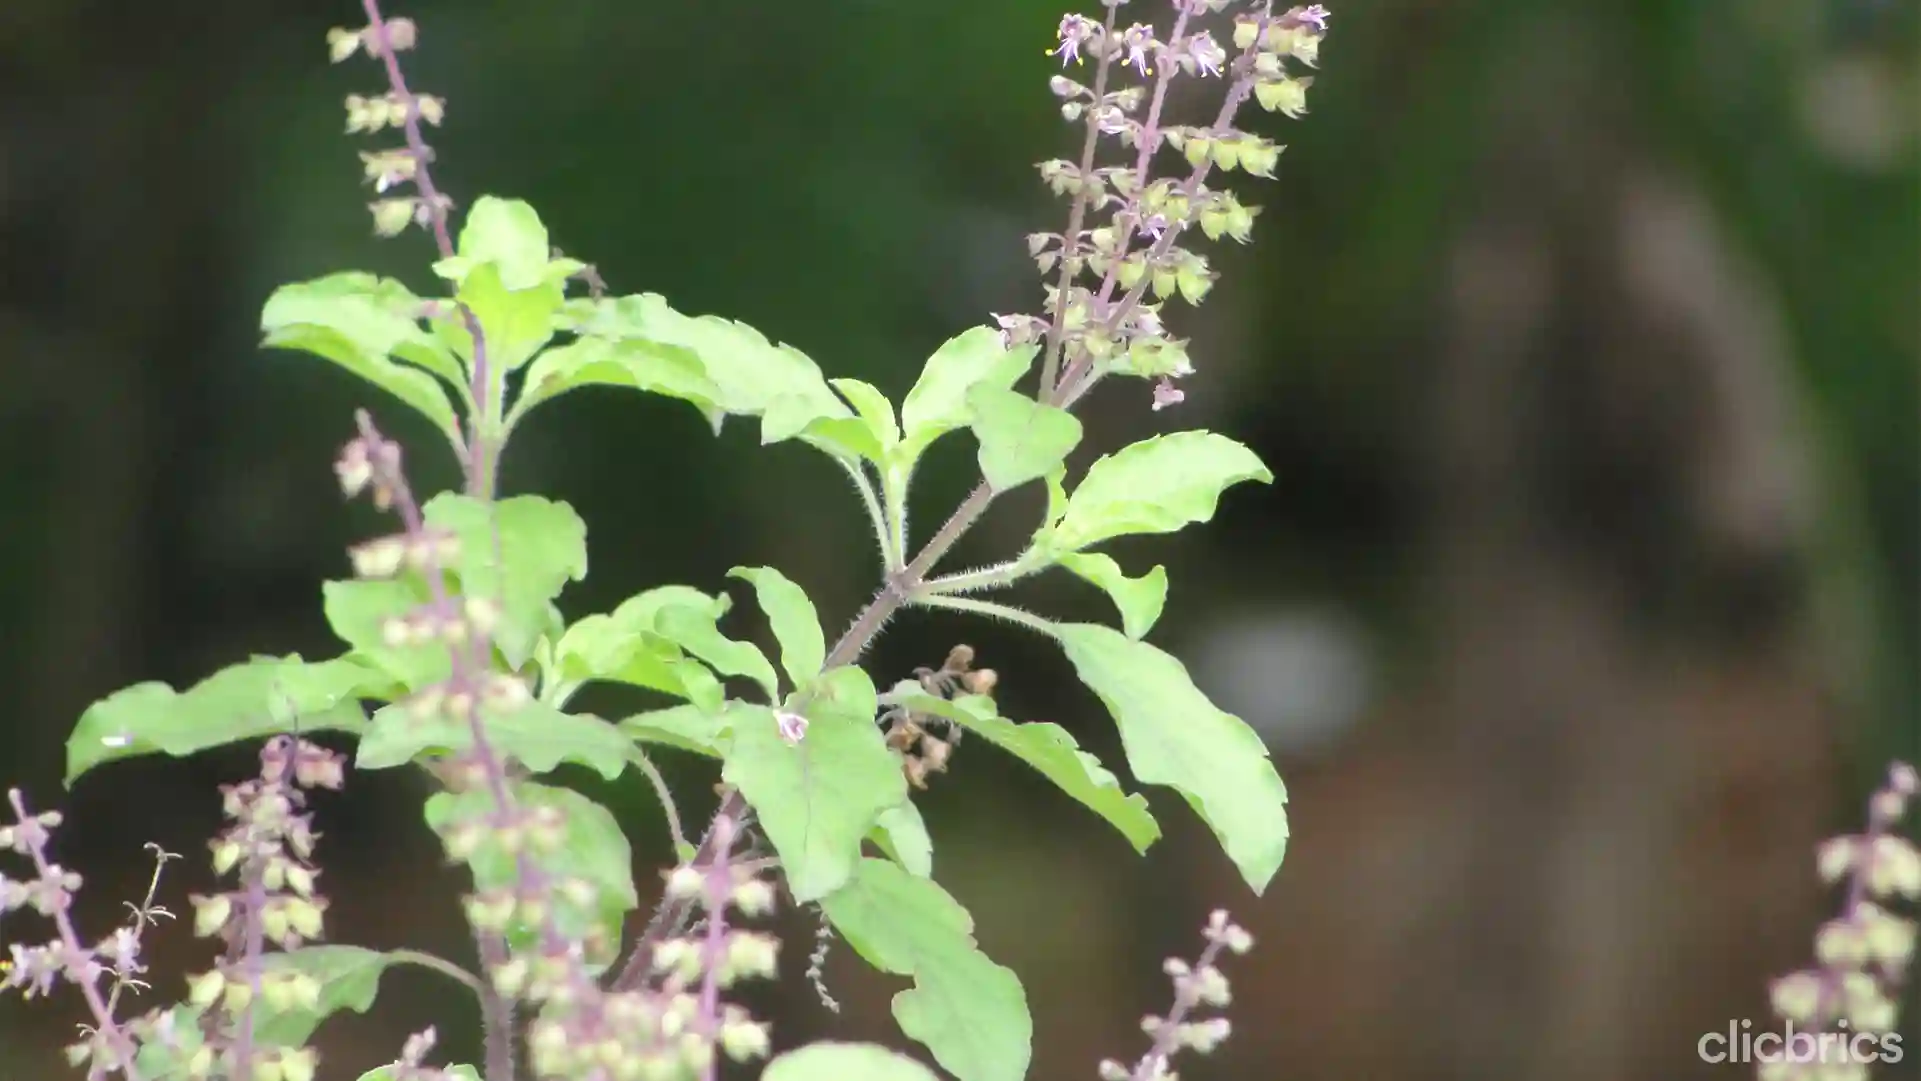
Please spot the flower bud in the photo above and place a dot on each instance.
(743, 1040)
(1797, 997)
(210, 914)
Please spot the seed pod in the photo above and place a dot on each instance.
(981, 681)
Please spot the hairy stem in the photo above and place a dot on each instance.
(986, 608)
(496, 1010)
(441, 965)
(646, 766)
(890, 552)
(1000, 574)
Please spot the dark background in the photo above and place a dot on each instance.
(1580, 338)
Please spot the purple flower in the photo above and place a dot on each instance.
(1166, 394)
(793, 726)
(1074, 31)
(1314, 15)
(1139, 39)
(1207, 54)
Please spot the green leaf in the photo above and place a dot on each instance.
(536, 735)
(642, 644)
(829, 1061)
(362, 323)
(803, 649)
(694, 630)
(1174, 736)
(819, 797)
(1056, 497)
(872, 435)
(541, 543)
(847, 438)
(359, 610)
(1020, 439)
(594, 851)
(506, 276)
(514, 323)
(967, 1010)
(625, 646)
(1139, 599)
(1052, 751)
(508, 234)
(938, 403)
(848, 689)
(391, 1073)
(348, 979)
(876, 412)
(902, 834)
(1155, 486)
(688, 728)
(599, 648)
(159, 1058)
(260, 697)
(634, 362)
(778, 383)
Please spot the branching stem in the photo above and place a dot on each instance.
(910, 582)
(986, 608)
(994, 577)
(890, 552)
(62, 916)
(441, 965)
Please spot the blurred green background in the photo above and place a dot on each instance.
(1580, 337)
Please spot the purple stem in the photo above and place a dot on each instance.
(1077, 213)
(719, 884)
(463, 679)
(482, 448)
(1074, 382)
(255, 933)
(103, 1019)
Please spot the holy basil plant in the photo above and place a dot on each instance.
(818, 797)
(459, 653)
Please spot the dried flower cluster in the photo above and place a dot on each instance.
(1120, 258)
(1196, 986)
(924, 741)
(1849, 999)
